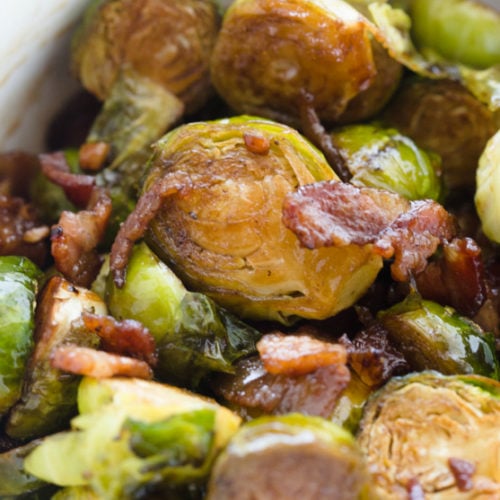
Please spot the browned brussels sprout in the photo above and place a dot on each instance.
(434, 435)
(290, 456)
(270, 54)
(444, 117)
(218, 189)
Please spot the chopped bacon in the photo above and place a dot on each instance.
(254, 391)
(338, 214)
(77, 187)
(463, 472)
(415, 489)
(76, 236)
(126, 337)
(98, 364)
(137, 222)
(298, 354)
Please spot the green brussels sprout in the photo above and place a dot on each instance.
(148, 60)
(193, 335)
(444, 117)
(48, 398)
(385, 159)
(487, 196)
(290, 456)
(438, 432)
(19, 279)
(222, 233)
(134, 435)
(465, 31)
(433, 337)
(322, 49)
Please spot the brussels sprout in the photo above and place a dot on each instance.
(290, 456)
(433, 337)
(322, 49)
(194, 336)
(48, 397)
(18, 290)
(149, 61)
(460, 30)
(439, 432)
(444, 117)
(487, 196)
(383, 158)
(222, 232)
(132, 435)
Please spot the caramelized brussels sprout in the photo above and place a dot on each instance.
(271, 53)
(444, 117)
(48, 398)
(18, 292)
(194, 336)
(465, 31)
(132, 436)
(487, 196)
(385, 159)
(290, 456)
(221, 228)
(436, 433)
(433, 337)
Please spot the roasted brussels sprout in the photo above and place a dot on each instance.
(193, 335)
(133, 435)
(433, 337)
(435, 434)
(444, 117)
(385, 159)
(220, 227)
(290, 456)
(487, 196)
(324, 50)
(465, 31)
(19, 279)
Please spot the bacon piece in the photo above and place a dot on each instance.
(137, 222)
(338, 214)
(127, 337)
(297, 354)
(253, 391)
(76, 236)
(77, 187)
(98, 364)
(463, 472)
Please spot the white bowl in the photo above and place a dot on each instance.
(35, 80)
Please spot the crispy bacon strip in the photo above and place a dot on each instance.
(337, 214)
(126, 337)
(298, 354)
(98, 364)
(137, 222)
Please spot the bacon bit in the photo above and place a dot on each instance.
(93, 155)
(137, 222)
(462, 471)
(78, 188)
(415, 490)
(298, 354)
(337, 214)
(98, 364)
(256, 143)
(127, 337)
(76, 237)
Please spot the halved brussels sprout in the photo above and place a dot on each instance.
(271, 53)
(290, 456)
(385, 159)
(18, 292)
(436, 433)
(433, 337)
(132, 436)
(222, 231)
(487, 197)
